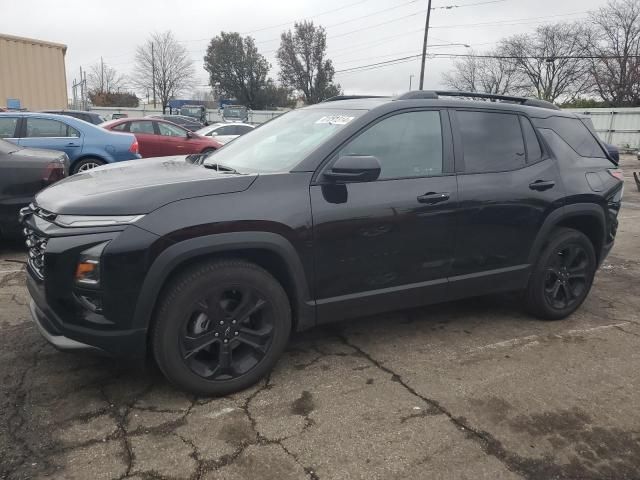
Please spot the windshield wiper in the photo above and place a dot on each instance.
(220, 168)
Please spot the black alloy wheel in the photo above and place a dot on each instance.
(562, 275)
(567, 276)
(220, 326)
(227, 333)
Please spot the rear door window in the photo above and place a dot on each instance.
(47, 128)
(142, 127)
(491, 141)
(8, 127)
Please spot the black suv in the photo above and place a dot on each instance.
(342, 209)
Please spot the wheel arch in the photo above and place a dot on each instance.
(587, 218)
(271, 251)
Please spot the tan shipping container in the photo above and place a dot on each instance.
(32, 71)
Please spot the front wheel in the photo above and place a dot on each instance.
(562, 276)
(220, 327)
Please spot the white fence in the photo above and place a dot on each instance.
(255, 116)
(618, 126)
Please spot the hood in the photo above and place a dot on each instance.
(137, 187)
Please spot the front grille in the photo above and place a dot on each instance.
(37, 246)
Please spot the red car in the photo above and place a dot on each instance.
(159, 138)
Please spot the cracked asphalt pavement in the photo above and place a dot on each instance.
(467, 390)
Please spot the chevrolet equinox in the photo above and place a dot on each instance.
(346, 208)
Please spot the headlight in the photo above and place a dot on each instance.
(95, 220)
(88, 267)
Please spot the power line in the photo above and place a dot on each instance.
(450, 7)
(411, 51)
(310, 17)
(505, 22)
(395, 61)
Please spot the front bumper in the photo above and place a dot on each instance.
(130, 343)
(59, 341)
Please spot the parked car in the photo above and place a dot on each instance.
(225, 132)
(86, 145)
(159, 138)
(341, 209)
(115, 116)
(90, 117)
(23, 173)
(186, 122)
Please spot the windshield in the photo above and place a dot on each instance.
(282, 143)
(236, 111)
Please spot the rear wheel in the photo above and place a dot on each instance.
(87, 164)
(221, 327)
(562, 277)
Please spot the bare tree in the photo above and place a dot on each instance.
(303, 65)
(164, 65)
(464, 76)
(552, 60)
(615, 46)
(486, 73)
(102, 78)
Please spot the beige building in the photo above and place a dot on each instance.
(33, 73)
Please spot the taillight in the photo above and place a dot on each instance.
(134, 146)
(53, 172)
(617, 173)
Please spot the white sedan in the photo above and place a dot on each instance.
(225, 132)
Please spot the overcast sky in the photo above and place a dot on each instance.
(359, 32)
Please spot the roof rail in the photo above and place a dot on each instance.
(350, 97)
(418, 95)
(433, 94)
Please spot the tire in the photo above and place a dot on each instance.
(562, 276)
(86, 164)
(220, 327)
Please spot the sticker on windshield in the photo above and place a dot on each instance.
(335, 119)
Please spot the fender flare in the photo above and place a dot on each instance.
(178, 253)
(563, 213)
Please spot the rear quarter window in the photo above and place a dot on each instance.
(576, 135)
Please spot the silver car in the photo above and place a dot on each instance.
(225, 132)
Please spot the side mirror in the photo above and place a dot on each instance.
(189, 134)
(354, 168)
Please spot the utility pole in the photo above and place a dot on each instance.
(410, 78)
(424, 45)
(81, 89)
(153, 75)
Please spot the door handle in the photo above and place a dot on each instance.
(71, 144)
(431, 198)
(541, 185)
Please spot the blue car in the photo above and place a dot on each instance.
(86, 145)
